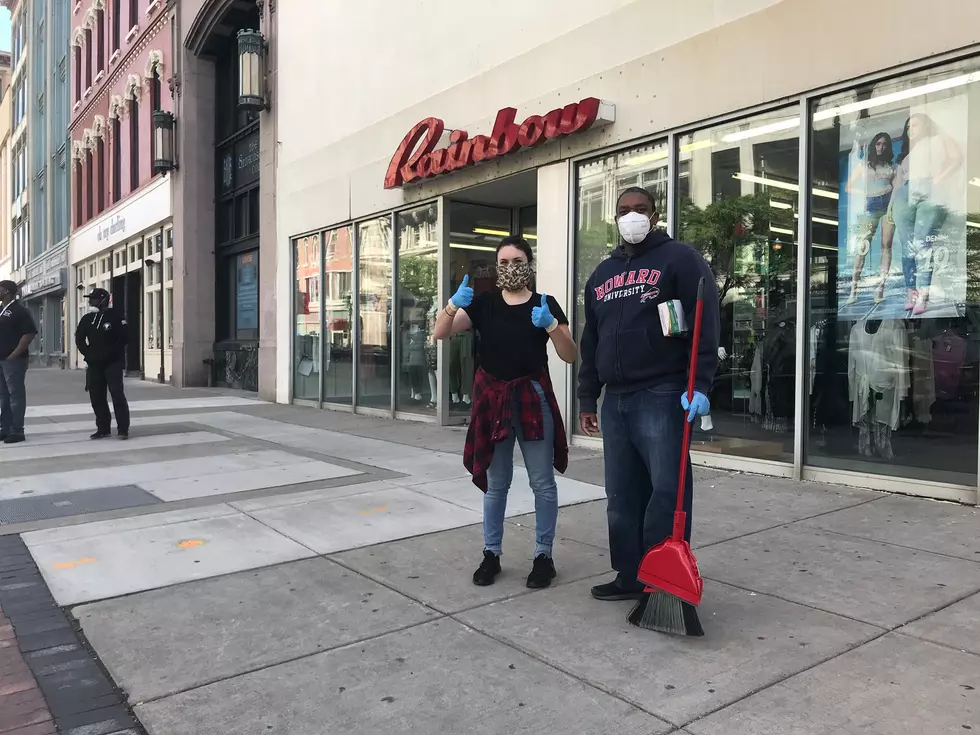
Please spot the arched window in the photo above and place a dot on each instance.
(77, 61)
(100, 38)
(155, 96)
(89, 188)
(116, 20)
(134, 145)
(115, 133)
(88, 58)
(100, 185)
(78, 194)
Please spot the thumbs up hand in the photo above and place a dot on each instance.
(464, 294)
(541, 316)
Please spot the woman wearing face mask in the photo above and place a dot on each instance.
(513, 401)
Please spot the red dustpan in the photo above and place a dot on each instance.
(670, 566)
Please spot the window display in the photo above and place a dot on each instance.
(894, 330)
(375, 276)
(308, 305)
(337, 286)
(738, 191)
(418, 292)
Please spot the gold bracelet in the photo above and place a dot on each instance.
(451, 309)
(553, 327)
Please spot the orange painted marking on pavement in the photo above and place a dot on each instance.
(190, 543)
(73, 564)
(373, 510)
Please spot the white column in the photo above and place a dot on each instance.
(556, 264)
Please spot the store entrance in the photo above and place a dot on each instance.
(479, 218)
(127, 298)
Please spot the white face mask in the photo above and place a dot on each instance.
(634, 227)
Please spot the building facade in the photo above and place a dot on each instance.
(121, 208)
(39, 168)
(835, 196)
(225, 299)
(6, 255)
(18, 190)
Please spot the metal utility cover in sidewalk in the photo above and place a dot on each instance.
(78, 502)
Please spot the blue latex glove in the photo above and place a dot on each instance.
(464, 294)
(698, 406)
(541, 316)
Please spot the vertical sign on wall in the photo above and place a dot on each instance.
(247, 311)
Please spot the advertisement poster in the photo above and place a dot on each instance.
(247, 313)
(902, 213)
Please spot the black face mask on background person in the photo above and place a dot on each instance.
(513, 276)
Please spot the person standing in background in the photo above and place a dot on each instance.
(17, 331)
(101, 339)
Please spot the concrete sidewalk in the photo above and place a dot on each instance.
(303, 572)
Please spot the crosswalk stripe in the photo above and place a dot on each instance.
(23, 452)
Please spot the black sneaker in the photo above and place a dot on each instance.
(123, 435)
(14, 439)
(489, 568)
(101, 435)
(542, 572)
(611, 591)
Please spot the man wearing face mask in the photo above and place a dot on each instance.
(644, 373)
(17, 331)
(101, 339)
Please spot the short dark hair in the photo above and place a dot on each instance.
(9, 286)
(516, 241)
(637, 190)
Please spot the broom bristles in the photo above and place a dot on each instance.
(666, 614)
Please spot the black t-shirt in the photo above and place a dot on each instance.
(15, 322)
(510, 345)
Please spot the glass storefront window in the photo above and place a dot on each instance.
(894, 329)
(475, 230)
(738, 193)
(375, 276)
(170, 318)
(306, 340)
(418, 291)
(338, 297)
(599, 183)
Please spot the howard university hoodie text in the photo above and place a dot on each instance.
(623, 346)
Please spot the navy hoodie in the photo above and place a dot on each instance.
(623, 346)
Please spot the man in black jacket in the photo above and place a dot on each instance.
(644, 372)
(101, 338)
(17, 330)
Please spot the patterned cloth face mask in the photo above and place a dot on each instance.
(513, 276)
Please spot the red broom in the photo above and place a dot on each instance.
(669, 570)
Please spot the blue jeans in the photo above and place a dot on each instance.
(917, 221)
(539, 459)
(13, 396)
(641, 440)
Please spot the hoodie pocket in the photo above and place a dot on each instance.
(637, 356)
(605, 359)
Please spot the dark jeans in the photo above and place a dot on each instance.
(13, 396)
(102, 377)
(641, 440)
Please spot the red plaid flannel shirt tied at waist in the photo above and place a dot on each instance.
(492, 415)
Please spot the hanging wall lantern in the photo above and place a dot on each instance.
(251, 71)
(163, 142)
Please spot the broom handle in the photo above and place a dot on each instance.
(680, 517)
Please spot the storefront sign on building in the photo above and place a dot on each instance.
(417, 157)
(46, 274)
(116, 224)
